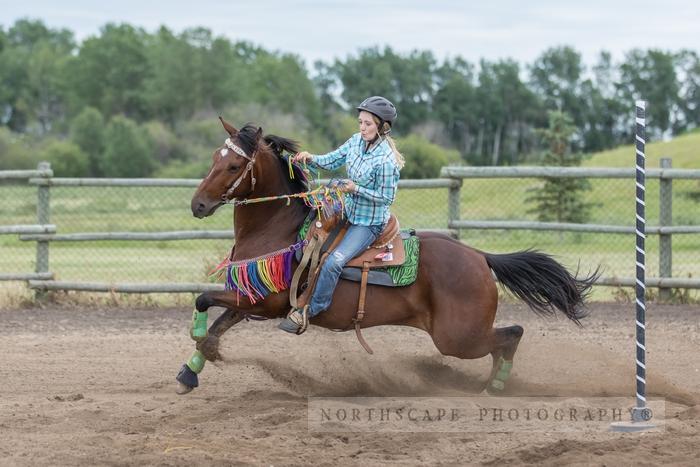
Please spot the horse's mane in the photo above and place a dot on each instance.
(278, 145)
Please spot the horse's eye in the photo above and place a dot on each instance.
(233, 168)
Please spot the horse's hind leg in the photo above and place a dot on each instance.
(501, 343)
(207, 347)
(506, 343)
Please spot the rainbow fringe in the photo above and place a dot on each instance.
(257, 278)
(327, 202)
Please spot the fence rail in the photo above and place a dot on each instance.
(564, 172)
(27, 229)
(44, 232)
(665, 174)
(25, 174)
(571, 227)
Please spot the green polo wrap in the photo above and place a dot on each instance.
(198, 331)
(196, 362)
(502, 374)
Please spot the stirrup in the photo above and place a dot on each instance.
(297, 321)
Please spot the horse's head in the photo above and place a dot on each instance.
(232, 172)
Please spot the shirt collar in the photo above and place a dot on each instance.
(374, 149)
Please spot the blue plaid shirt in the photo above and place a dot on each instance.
(375, 173)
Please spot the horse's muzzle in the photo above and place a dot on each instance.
(202, 208)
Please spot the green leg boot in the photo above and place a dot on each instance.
(198, 330)
(498, 383)
(196, 362)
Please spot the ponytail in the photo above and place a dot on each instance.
(384, 130)
(400, 161)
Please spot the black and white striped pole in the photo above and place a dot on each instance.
(641, 414)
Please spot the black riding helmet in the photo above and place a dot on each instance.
(381, 107)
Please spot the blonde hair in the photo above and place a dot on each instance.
(384, 133)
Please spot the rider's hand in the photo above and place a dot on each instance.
(347, 186)
(302, 156)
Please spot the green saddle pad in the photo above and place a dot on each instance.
(392, 276)
(406, 273)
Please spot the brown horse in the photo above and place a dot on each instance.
(454, 297)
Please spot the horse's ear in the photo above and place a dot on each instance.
(228, 127)
(258, 135)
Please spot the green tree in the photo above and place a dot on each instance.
(505, 103)
(282, 82)
(16, 152)
(604, 114)
(560, 199)
(688, 64)
(87, 130)
(423, 158)
(455, 103)
(127, 150)
(165, 144)
(556, 76)
(408, 81)
(110, 70)
(66, 158)
(327, 87)
(33, 60)
(171, 86)
(650, 75)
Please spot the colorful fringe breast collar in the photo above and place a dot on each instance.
(256, 278)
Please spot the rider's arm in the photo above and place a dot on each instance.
(333, 159)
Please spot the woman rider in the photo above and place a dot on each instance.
(372, 163)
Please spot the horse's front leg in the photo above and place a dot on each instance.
(207, 347)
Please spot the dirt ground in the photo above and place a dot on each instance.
(85, 387)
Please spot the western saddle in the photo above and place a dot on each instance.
(323, 237)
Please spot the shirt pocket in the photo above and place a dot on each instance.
(363, 174)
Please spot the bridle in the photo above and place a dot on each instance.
(248, 168)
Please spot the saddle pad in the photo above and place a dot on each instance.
(392, 276)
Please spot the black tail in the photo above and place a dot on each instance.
(542, 283)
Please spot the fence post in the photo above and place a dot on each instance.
(453, 196)
(43, 216)
(665, 219)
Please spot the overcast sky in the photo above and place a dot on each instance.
(329, 29)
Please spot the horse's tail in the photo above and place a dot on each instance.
(280, 144)
(542, 283)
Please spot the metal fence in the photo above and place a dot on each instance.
(138, 235)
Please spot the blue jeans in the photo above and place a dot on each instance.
(356, 240)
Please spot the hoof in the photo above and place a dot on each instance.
(183, 389)
(495, 388)
(187, 380)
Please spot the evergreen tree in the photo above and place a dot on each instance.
(560, 199)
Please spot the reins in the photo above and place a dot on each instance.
(257, 277)
(318, 199)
